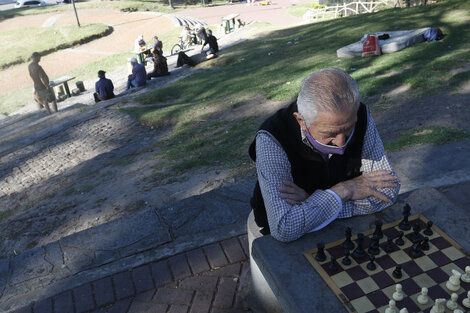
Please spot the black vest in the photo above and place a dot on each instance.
(309, 170)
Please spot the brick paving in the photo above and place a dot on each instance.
(204, 280)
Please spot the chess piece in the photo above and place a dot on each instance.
(359, 252)
(346, 260)
(321, 256)
(416, 251)
(348, 244)
(397, 272)
(398, 294)
(453, 284)
(425, 244)
(399, 241)
(405, 224)
(374, 247)
(333, 266)
(458, 311)
(388, 246)
(428, 231)
(378, 230)
(466, 277)
(404, 310)
(438, 306)
(452, 303)
(371, 265)
(392, 307)
(423, 297)
(416, 229)
(466, 301)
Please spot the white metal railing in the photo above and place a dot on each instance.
(346, 9)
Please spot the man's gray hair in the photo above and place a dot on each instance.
(328, 90)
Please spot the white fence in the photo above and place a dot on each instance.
(346, 9)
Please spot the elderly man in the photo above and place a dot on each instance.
(43, 93)
(138, 78)
(319, 159)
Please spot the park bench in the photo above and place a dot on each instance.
(230, 22)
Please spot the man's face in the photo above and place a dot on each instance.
(331, 128)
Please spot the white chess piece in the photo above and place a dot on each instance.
(404, 310)
(452, 303)
(458, 311)
(398, 294)
(466, 277)
(423, 297)
(392, 308)
(466, 301)
(453, 284)
(438, 306)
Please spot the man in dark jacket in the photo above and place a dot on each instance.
(138, 78)
(319, 159)
(104, 88)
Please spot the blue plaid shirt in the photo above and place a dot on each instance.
(289, 222)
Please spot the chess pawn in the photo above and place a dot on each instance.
(404, 310)
(438, 306)
(423, 297)
(458, 311)
(398, 294)
(466, 277)
(466, 301)
(392, 308)
(452, 303)
(453, 284)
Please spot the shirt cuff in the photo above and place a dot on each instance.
(328, 221)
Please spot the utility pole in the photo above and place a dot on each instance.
(76, 15)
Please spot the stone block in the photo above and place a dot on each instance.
(179, 266)
(233, 250)
(4, 268)
(225, 292)
(197, 261)
(215, 255)
(142, 278)
(123, 285)
(202, 301)
(103, 291)
(83, 298)
(28, 266)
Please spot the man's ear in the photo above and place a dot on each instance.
(301, 121)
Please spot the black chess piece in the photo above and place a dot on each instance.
(333, 266)
(388, 246)
(346, 260)
(378, 229)
(399, 241)
(321, 256)
(428, 231)
(359, 252)
(416, 251)
(374, 247)
(425, 244)
(348, 244)
(416, 229)
(405, 224)
(397, 272)
(371, 265)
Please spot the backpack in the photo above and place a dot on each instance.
(432, 34)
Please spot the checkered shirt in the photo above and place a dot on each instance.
(289, 222)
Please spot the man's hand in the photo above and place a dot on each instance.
(365, 186)
(292, 193)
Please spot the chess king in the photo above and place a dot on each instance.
(318, 159)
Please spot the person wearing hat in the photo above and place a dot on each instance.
(43, 93)
(138, 78)
(139, 43)
(104, 88)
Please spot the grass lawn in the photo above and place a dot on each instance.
(198, 108)
(44, 40)
(300, 9)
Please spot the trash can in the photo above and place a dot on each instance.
(80, 86)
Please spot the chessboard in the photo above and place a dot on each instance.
(362, 290)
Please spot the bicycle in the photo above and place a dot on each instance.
(183, 45)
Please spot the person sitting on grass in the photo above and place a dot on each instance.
(213, 46)
(138, 78)
(104, 88)
(160, 67)
(43, 93)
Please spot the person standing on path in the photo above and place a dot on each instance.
(43, 92)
